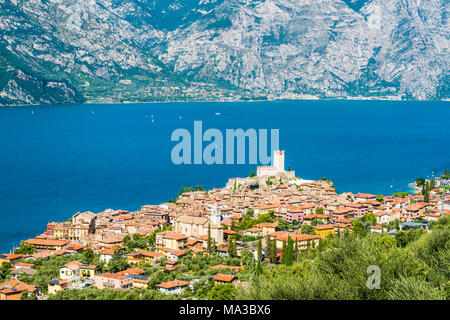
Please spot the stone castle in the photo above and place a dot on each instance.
(265, 172)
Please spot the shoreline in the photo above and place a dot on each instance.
(409, 186)
(224, 101)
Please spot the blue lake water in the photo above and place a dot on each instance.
(57, 160)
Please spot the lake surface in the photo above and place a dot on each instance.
(57, 160)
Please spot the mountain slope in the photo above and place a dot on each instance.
(142, 50)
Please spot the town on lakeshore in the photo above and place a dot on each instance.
(206, 240)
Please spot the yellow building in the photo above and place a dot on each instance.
(140, 281)
(267, 227)
(304, 241)
(324, 230)
(76, 231)
(88, 271)
(70, 271)
(58, 285)
(170, 240)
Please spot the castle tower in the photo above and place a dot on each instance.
(278, 160)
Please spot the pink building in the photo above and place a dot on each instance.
(294, 215)
(113, 281)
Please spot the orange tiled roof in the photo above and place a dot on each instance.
(224, 277)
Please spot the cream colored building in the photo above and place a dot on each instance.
(198, 226)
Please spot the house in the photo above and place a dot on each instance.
(106, 255)
(13, 289)
(324, 230)
(41, 254)
(432, 216)
(228, 233)
(135, 271)
(223, 266)
(147, 256)
(140, 281)
(382, 217)
(322, 218)
(267, 227)
(87, 271)
(113, 281)
(58, 285)
(74, 248)
(294, 214)
(70, 271)
(253, 232)
(47, 244)
(11, 258)
(175, 255)
(304, 241)
(22, 271)
(365, 196)
(222, 251)
(171, 287)
(376, 229)
(171, 240)
(223, 278)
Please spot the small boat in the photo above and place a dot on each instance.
(217, 113)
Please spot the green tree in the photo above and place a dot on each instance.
(420, 181)
(307, 229)
(283, 253)
(209, 242)
(296, 252)
(222, 292)
(88, 256)
(269, 248)
(370, 218)
(5, 270)
(289, 252)
(259, 250)
(25, 248)
(274, 251)
(117, 262)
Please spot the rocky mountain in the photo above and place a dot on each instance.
(150, 50)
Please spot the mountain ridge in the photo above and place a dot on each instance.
(142, 50)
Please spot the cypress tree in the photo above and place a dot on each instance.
(289, 252)
(259, 253)
(259, 268)
(230, 247)
(209, 239)
(274, 251)
(296, 251)
(269, 249)
(283, 253)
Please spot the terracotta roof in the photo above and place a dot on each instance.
(173, 284)
(112, 276)
(224, 278)
(47, 242)
(137, 271)
(324, 227)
